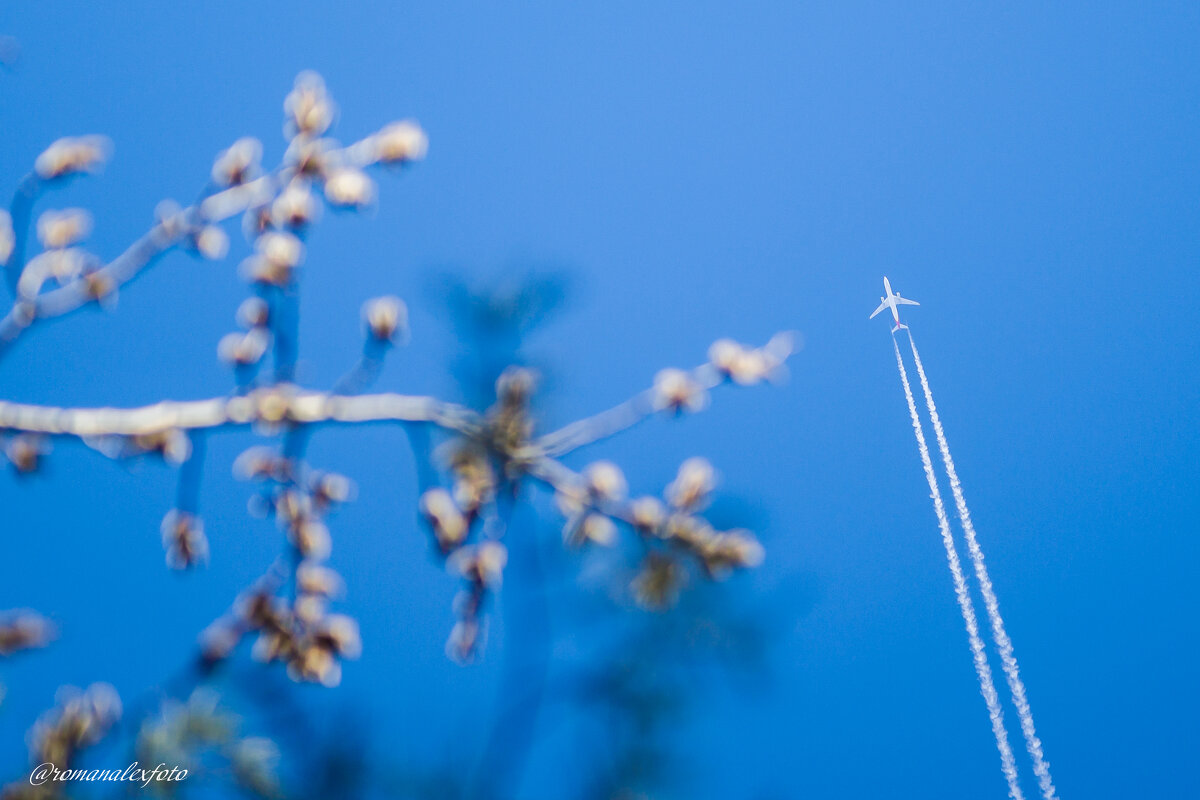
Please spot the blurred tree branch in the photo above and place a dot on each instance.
(490, 453)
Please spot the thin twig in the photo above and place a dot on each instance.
(20, 213)
(619, 418)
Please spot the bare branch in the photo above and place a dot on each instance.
(272, 406)
(166, 233)
(675, 390)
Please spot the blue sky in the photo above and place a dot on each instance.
(1029, 173)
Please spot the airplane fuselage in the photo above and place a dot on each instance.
(890, 299)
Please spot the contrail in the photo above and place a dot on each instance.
(982, 669)
(1007, 660)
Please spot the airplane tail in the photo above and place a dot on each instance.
(898, 326)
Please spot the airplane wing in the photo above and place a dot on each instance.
(882, 306)
(905, 301)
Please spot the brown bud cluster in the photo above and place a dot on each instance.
(246, 349)
(482, 567)
(99, 287)
(238, 164)
(184, 540)
(299, 631)
(59, 229)
(659, 581)
(195, 731)
(210, 242)
(678, 391)
(510, 422)
(24, 630)
(750, 365)
(80, 719)
(474, 477)
(304, 637)
(277, 255)
(447, 521)
(386, 319)
(295, 208)
(595, 503)
(400, 142)
(24, 451)
(450, 517)
(349, 187)
(72, 155)
(308, 107)
(171, 445)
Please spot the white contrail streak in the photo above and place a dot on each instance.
(1007, 660)
(982, 669)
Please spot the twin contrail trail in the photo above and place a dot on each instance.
(999, 635)
(982, 669)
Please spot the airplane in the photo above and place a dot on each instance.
(890, 300)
